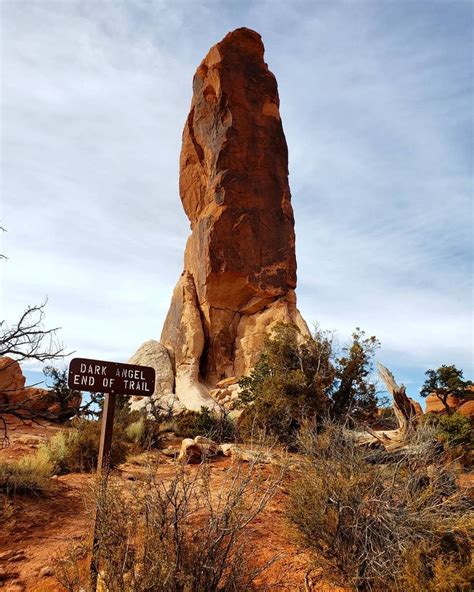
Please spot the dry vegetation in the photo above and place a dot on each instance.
(176, 536)
(383, 521)
(363, 518)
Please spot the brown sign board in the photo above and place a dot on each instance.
(97, 376)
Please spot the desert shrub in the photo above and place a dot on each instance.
(176, 536)
(298, 378)
(68, 400)
(456, 434)
(289, 382)
(353, 392)
(6, 512)
(214, 425)
(365, 511)
(77, 449)
(455, 430)
(421, 570)
(144, 433)
(29, 474)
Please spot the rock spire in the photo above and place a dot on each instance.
(239, 271)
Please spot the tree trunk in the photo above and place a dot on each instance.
(404, 409)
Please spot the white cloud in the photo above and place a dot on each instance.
(376, 108)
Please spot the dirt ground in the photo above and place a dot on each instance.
(42, 527)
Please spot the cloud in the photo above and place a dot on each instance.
(376, 106)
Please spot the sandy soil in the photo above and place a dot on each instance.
(44, 526)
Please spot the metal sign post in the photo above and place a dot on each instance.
(111, 378)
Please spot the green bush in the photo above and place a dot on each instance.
(30, 474)
(289, 382)
(299, 378)
(144, 433)
(190, 424)
(77, 449)
(455, 430)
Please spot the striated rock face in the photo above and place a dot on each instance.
(239, 266)
(417, 408)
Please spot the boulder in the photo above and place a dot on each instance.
(239, 274)
(467, 409)
(12, 381)
(227, 382)
(153, 353)
(208, 446)
(435, 405)
(190, 452)
(193, 451)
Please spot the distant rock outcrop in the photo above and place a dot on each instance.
(465, 406)
(28, 400)
(239, 265)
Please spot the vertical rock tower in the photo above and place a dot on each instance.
(239, 266)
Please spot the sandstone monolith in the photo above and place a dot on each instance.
(239, 271)
(239, 274)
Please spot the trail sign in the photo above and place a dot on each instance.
(111, 378)
(96, 376)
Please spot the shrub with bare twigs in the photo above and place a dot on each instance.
(368, 513)
(181, 535)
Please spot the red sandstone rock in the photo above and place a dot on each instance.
(239, 266)
(416, 407)
(463, 405)
(13, 391)
(12, 381)
(467, 409)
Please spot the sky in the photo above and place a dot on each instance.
(377, 109)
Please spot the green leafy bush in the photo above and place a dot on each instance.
(455, 430)
(298, 378)
(288, 383)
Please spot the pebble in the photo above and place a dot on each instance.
(46, 571)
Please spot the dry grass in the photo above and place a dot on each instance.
(367, 512)
(30, 474)
(76, 449)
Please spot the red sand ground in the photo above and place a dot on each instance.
(43, 526)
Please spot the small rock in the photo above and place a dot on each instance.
(227, 449)
(6, 555)
(46, 571)
(16, 586)
(12, 555)
(169, 452)
(190, 451)
(30, 440)
(208, 446)
(226, 382)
